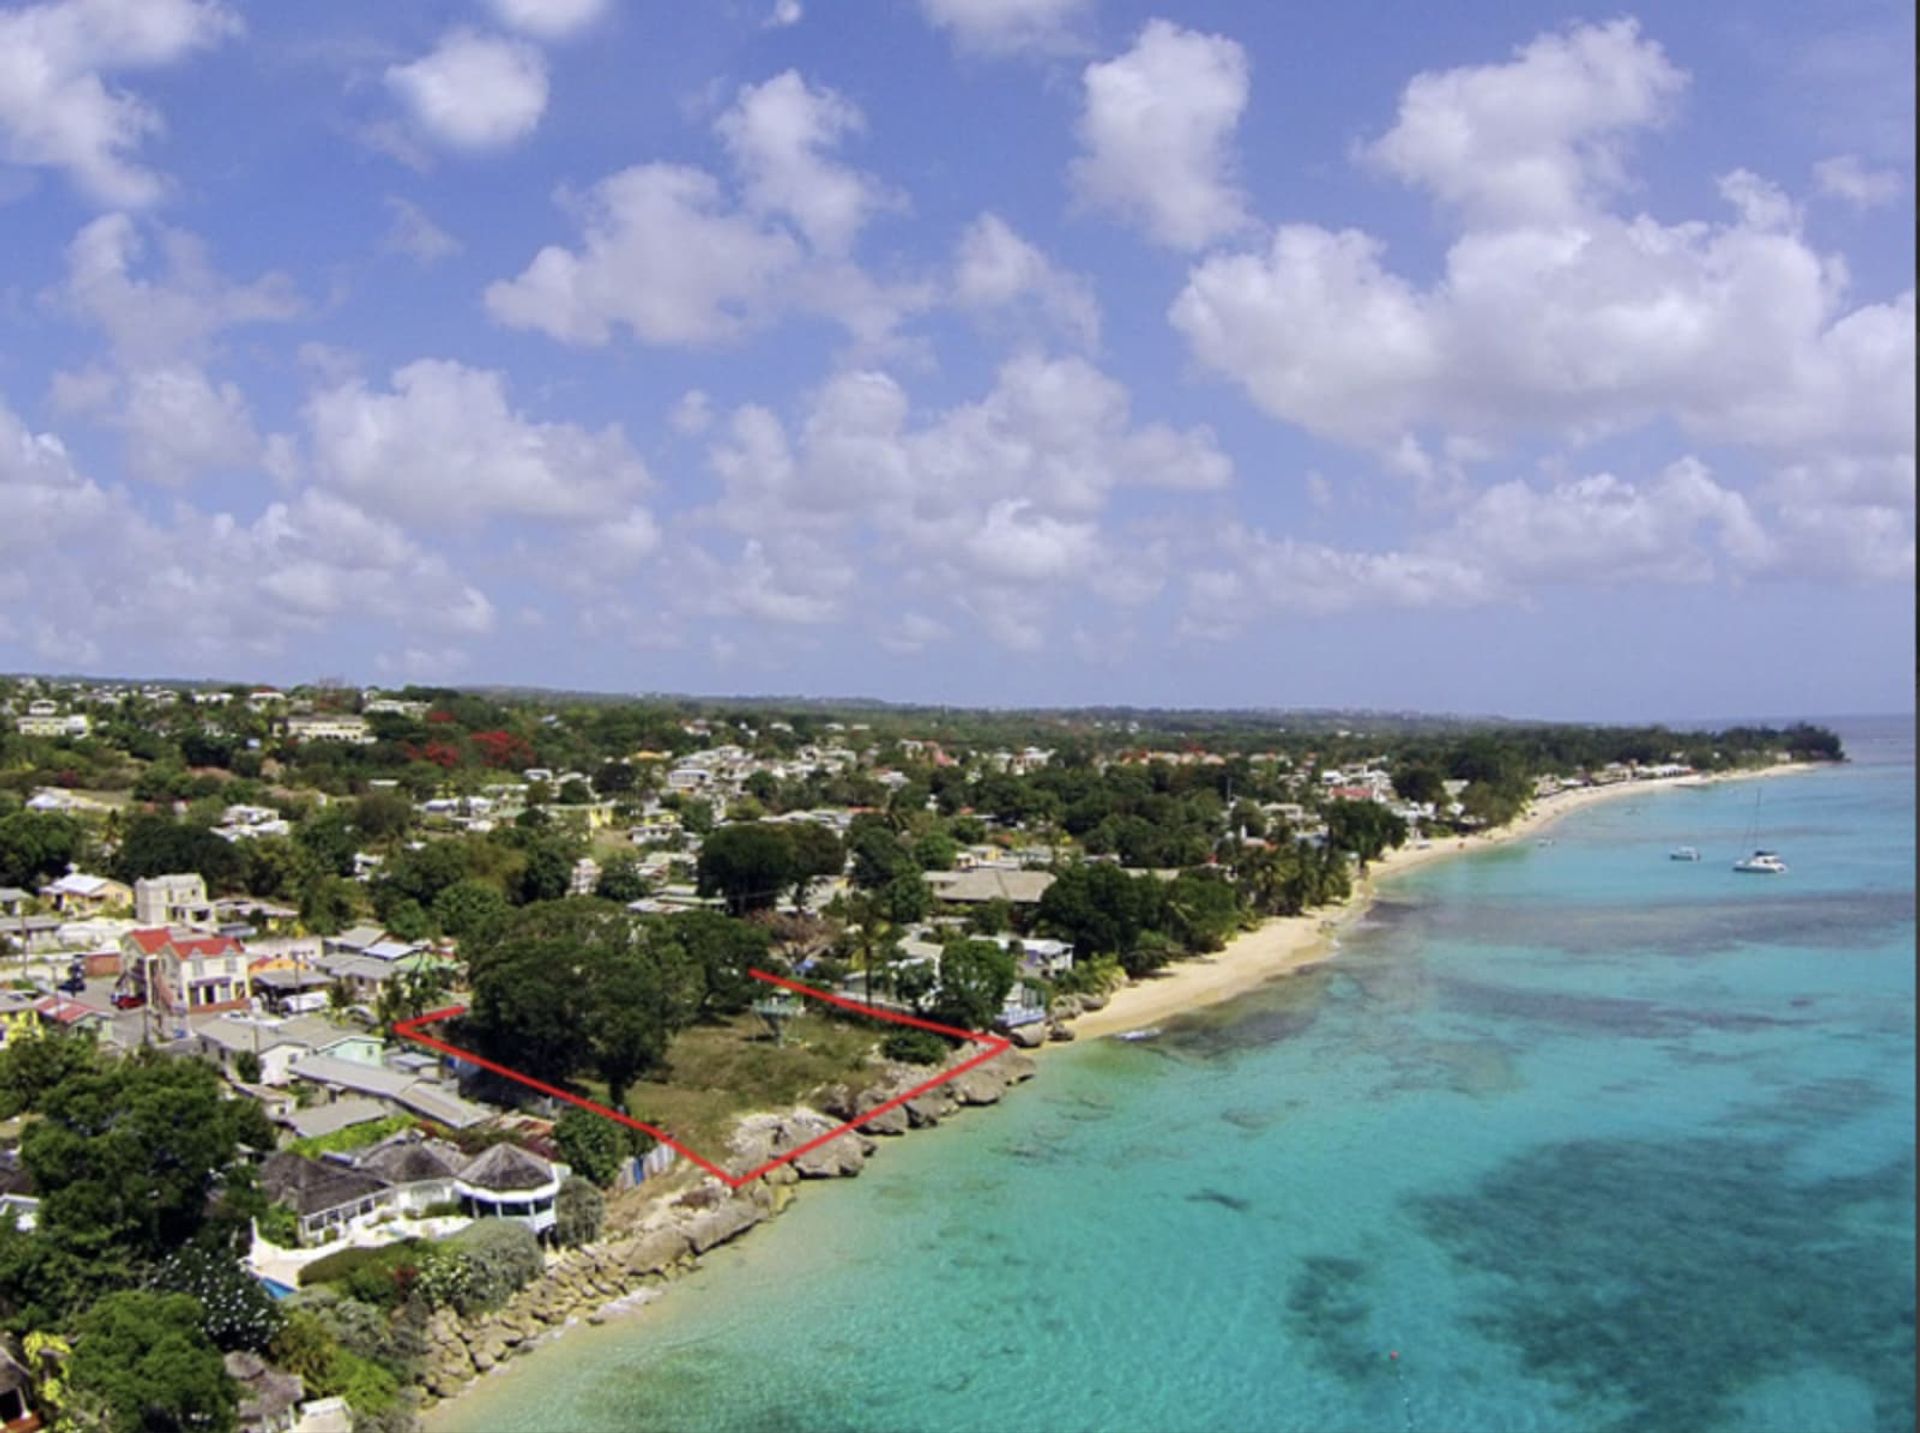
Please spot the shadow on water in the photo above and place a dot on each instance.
(1626, 1017)
(1667, 1277)
(1327, 1313)
(1226, 1201)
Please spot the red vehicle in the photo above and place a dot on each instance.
(128, 1000)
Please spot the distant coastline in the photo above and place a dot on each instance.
(1286, 945)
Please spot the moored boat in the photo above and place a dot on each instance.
(1762, 863)
(1683, 853)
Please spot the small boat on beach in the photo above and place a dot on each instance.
(1683, 853)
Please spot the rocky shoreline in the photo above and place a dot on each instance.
(599, 1280)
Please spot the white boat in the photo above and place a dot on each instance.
(1762, 862)
(1147, 1034)
(1683, 853)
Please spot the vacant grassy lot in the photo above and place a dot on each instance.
(717, 1073)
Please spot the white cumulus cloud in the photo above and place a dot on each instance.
(1845, 176)
(549, 19)
(780, 135)
(1157, 132)
(444, 445)
(474, 92)
(994, 268)
(1006, 27)
(57, 108)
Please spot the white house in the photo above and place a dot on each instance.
(172, 900)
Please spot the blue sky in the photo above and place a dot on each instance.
(981, 351)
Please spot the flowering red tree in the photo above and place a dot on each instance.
(503, 750)
(440, 753)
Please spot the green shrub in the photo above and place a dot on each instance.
(915, 1047)
(279, 1225)
(591, 1144)
(353, 1137)
(481, 1267)
(382, 1277)
(578, 1213)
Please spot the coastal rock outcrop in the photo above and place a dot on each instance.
(728, 1221)
(888, 1122)
(843, 1155)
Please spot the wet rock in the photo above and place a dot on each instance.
(982, 1085)
(887, 1122)
(840, 1101)
(932, 1107)
(846, 1155)
(717, 1226)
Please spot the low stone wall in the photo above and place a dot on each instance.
(582, 1283)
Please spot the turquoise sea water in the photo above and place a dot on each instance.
(1592, 1139)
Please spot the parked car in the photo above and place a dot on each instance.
(128, 1000)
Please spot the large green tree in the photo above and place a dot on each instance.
(142, 1364)
(37, 846)
(747, 866)
(975, 976)
(1100, 908)
(571, 986)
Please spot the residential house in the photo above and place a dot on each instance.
(330, 726)
(586, 875)
(329, 1198)
(13, 900)
(507, 1182)
(72, 724)
(256, 915)
(269, 1398)
(318, 1121)
(72, 1015)
(275, 1043)
(1038, 956)
(172, 900)
(976, 887)
(185, 973)
(19, 1016)
(422, 1171)
(427, 1098)
(77, 893)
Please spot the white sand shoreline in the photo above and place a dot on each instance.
(1286, 945)
(1280, 947)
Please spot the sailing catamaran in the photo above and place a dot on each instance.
(1762, 862)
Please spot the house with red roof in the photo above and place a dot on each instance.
(186, 972)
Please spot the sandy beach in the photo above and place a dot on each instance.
(1289, 944)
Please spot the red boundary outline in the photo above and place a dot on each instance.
(996, 1045)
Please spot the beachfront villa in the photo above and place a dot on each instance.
(329, 1198)
(508, 1182)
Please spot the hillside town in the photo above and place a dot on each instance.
(251, 887)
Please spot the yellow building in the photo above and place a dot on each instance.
(18, 1017)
